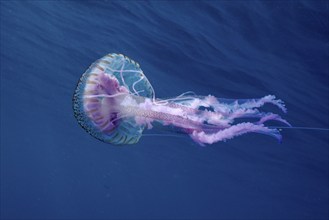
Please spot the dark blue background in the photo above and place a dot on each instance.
(51, 168)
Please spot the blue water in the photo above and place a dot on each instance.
(52, 169)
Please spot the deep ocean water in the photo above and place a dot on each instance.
(52, 169)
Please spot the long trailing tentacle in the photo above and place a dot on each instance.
(184, 96)
(256, 103)
(229, 106)
(236, 130)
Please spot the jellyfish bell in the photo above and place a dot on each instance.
(115, 102)
(100, 96)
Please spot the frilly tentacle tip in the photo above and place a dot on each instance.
(279, 138)
(286, 122)
(284, 109)
(281, 105)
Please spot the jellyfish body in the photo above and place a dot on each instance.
(115, 102)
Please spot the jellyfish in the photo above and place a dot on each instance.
(115, 102)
